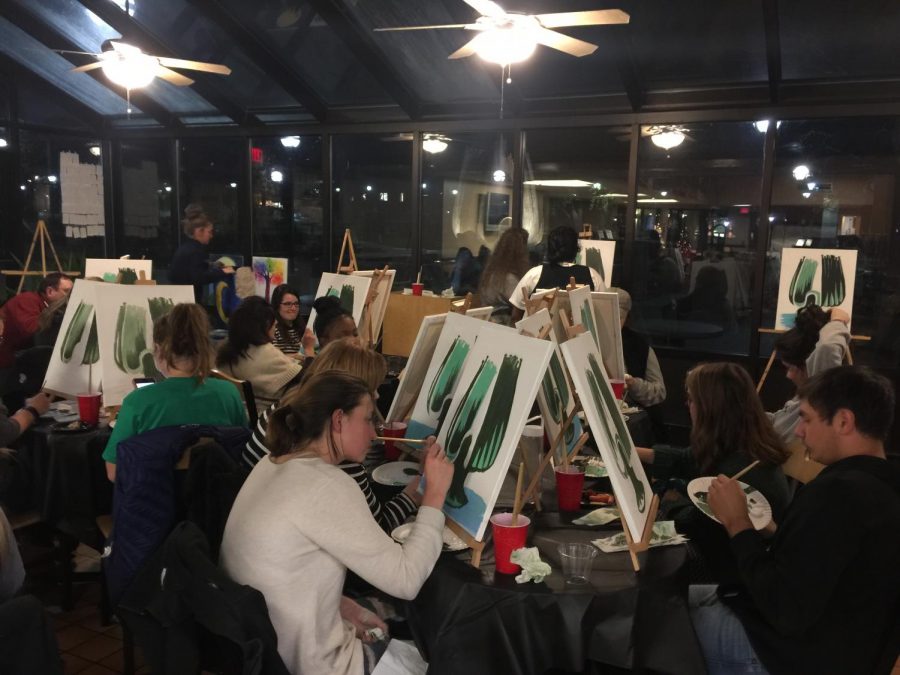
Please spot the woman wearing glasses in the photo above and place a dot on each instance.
(289, 335)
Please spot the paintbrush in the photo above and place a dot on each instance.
(395, 439)
(517, 502)
(747, 468)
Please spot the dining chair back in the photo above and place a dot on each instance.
(245, 389)
(799, 466)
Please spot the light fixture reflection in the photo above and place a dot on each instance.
(276, 176)
(3, 142)
(762, 126)
(801, 172)
(668, 139)
(499, 176)
(290, 141)
(434, 144)
(94, 150)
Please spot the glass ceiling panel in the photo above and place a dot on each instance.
(88, 31)
(307, 44)
(698, 42)
(421, 56)
(839, 39)
(192, 36)
(52, 67)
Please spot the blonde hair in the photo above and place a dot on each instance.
(183, 333)
(350, 356)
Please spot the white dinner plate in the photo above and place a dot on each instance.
(396, 473)
(757, 506)
(451, 541)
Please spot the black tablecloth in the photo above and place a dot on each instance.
(71, 488)
(468, 621)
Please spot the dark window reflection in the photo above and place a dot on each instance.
(372, 178)
(150, 219)
(287, 206)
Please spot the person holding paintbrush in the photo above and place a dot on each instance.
(729, 431)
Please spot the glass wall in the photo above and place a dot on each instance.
(372, 196)
(467, 202)
(287, 206)
(577, 178)
(695, 235)
(150, 222)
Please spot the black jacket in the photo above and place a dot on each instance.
(822, 598)
(190, 265)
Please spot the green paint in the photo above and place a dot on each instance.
(459, 437)
(75, 330)
(800, 289)
(606, 403)
(127, 276)
(592, 258)
(130, 342)
(556, 394)
(834, 285)
(348, 293)
(92, 348)
(445, 381)
(159, 307)
(588, 320)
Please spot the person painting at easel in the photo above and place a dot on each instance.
(189, 263)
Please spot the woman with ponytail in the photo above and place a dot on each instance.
(190, 264)
(818, 342)
(300, 522)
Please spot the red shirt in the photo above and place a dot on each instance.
(20, 316)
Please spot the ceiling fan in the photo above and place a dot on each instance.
(508, 37)
(131, 68)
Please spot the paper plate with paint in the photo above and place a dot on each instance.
(396, 473)
(757, 506)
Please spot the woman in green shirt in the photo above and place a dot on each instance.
(184, 356)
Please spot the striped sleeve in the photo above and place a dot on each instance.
(256, 448)
(389, 515)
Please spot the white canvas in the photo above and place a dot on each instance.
(379, 304)
(793, 293)
(125, 317)
(629, 481)
(555, 398)
(480, 312)
(108, 268)
(67, 375)
(482, 428)
(599, 255)
(348, 285)
(583, 312)
(560, 302)
(606, 311)
(445, 364)
(416, 366)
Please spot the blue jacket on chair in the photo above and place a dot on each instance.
(146, 499)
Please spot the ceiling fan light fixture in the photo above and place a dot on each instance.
(505, 45)
(290, 141)
(131, 69)
(668, 139)
(434, 144)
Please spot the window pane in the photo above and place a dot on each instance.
(372, 178)
(466, 204)
(287, 207)
(578, 177)
(150, 219)
(696, 226)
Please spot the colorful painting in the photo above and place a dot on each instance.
(609, 333)
(814, 276)
(350, 289)
(629, 481)
(110, 269)
(106, 337)
(416, 369)
(599, 255)
(269, 273)
(555, 397)
(378, 306)
(485, 419)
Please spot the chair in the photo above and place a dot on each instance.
(245, 388)
(31, 367)
(799, 466)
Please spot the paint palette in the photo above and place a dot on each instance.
(396, 474)
(758, 507)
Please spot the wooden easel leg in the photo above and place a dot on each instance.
(37, 229)
(340, 262)
(762, 380)
(849, 356)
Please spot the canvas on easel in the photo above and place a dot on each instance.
(609, 333)
(118, 270)
(269, 273)
(583, 311)
(823, 277)
(382, 281)
(480, 312)
(484, 422)
(413, 375)
(349, 289)
(74, 363)
(556, 398)
(626, 473)
(598, 255)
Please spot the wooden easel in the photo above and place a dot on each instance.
(40, 233)
(347, 244)
(377, 276)
(587, 231)
(775, 331)
(476, 545)
(533, 306)
(642, 544)
(462, 306)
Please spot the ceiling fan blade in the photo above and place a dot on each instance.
(397, 28)
(84, 69)
(466, 50)
(591, 18)
(487, 8)
(216, 68)
(564, 43)
(173, 77)
(69, 51)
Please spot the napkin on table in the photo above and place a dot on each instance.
(598, 517)
(664, 534)
(533, 568)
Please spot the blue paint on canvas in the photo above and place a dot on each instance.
(470, 515)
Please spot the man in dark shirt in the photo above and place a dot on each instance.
(822, 597)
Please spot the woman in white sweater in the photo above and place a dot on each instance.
(300, 522)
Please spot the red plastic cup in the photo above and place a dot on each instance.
(569, 484)
(507, 538)
(618, 387)
(89, 407)
(393, 430)
(418, 288)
